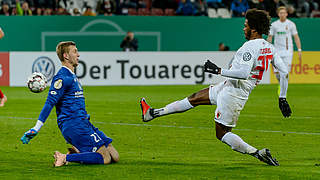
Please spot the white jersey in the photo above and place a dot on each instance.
(283, 32)
(247, 68)
(253, 58)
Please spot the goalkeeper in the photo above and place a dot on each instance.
(89, 144)
(245, 72)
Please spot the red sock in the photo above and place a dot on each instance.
(1, 94)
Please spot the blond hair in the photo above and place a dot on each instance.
(63, 47)
(281, 8)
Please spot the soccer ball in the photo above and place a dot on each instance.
(37, 82)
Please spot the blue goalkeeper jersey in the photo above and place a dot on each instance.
(66, 94)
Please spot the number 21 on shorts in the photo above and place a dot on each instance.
(96, 137)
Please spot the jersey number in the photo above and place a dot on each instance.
(264, 66)
(95, 137)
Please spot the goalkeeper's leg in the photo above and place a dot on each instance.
(199, 98)
(104, 155)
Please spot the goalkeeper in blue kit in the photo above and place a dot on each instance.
(89, 144)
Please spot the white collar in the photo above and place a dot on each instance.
(68, 69)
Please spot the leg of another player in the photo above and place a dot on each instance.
(199, 98)
(278, 78)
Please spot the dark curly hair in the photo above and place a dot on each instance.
(258, 20)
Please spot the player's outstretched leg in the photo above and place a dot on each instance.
(199, 98)
(149, 113)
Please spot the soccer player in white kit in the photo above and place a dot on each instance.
(282, 30)
(230, 96)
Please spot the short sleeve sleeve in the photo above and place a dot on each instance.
(293, 29)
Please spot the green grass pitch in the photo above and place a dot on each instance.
(179, 146)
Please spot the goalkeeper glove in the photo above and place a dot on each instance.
(284, 107)
(210, 67)
(28, 136)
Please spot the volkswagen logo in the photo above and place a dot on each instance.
(45, 66)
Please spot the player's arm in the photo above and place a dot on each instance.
(55, 93)
(242, 72)
(298, 44)
(271, 33)
(1, 33)
(269, 39)
(283, 71)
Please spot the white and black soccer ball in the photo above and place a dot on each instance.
(37, 82)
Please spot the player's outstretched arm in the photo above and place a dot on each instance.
(27, 136)
(51, 101)
(241, 73)
(210, 67)
(31, 133)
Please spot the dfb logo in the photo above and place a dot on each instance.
(45, 66)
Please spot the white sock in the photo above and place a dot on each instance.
(284, 85)
(175, 107)
(237, 144)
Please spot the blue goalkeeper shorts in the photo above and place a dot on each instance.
(85, 137)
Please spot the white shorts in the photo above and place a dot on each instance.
(229, 103)
(287, 60)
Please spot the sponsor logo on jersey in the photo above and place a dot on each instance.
(58, 84)
(246, 56)
(44, 65)
(281, 33)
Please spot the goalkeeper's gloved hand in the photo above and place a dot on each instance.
(284, 107)
(28, 136)
(211, 67)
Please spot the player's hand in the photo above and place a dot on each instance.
(28, 136)
(210, 67)
(284, 107)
